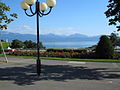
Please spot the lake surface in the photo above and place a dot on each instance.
(81, 44)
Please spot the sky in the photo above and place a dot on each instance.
(67, 17)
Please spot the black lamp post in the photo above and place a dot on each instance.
(40, 9)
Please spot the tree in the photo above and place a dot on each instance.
(29, 44)
(17, 44)
(41, 45)
(32, 45)
(5, 17)
(115, 39)
(113, 13)
(104, 49)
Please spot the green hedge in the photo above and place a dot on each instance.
(66, 50)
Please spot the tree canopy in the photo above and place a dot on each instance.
(17, 44)
(5, 16)
(113, 13)
(115, 39)
(28, 44)
(104, 49)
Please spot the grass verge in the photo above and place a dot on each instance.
(66, 59)
(77, 59)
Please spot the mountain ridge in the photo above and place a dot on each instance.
(48, 37)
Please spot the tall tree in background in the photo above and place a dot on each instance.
(29, 44)
(17, 44)
(104, 49)
(32, 45)
(113, 13)
(5, 17)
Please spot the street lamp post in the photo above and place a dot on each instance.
(40, 9)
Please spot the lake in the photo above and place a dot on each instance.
(81, 44)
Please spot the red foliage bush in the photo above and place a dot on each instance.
(53, 54)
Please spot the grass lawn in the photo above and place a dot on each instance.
(77, 59)
(5, 44)
(67, 59)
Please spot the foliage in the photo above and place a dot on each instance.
(5, 17)
(66, 50)
(29, 44)
(113, 13)
(17, 44)
(117, 55)
(53, 54)
(104, 49)
(41, 45)
(32, 45)
(115, 39)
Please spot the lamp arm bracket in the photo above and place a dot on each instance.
(30, 15)
(32, 10)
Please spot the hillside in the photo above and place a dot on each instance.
(47, 37)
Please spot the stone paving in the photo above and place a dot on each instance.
(20, 73)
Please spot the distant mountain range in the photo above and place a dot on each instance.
(47, 37)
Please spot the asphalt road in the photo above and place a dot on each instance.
(20, 74)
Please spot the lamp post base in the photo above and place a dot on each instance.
(38, 67)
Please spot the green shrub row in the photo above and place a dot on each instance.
(66, 50)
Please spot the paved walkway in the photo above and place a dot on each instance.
(20, 74)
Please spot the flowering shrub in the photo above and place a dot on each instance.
(117, 55)
(54, 54)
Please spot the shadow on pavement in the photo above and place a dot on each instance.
(27, 75)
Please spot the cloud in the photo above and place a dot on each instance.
(60, 31)
(25, 29)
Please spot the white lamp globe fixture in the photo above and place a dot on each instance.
(43, 7)
(24, 5)
(30, 2)
(51, 3)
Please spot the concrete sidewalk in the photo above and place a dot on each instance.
(20, 74)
